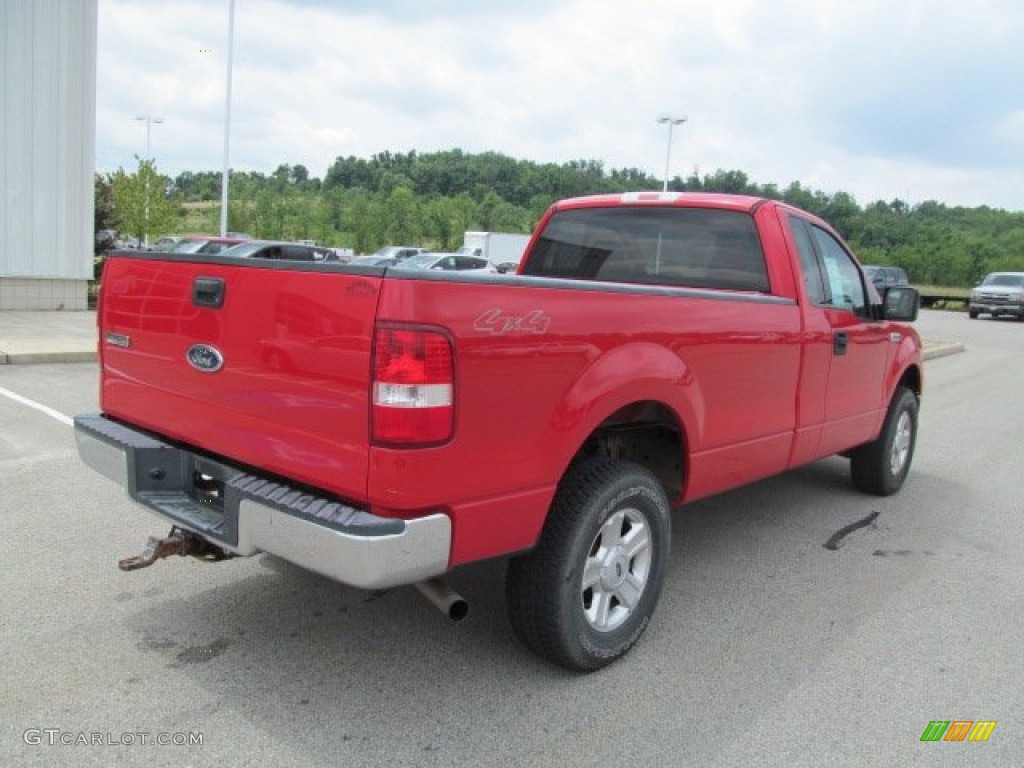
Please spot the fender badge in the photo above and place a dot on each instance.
(118, 339)
(497, 323)
(205, 358)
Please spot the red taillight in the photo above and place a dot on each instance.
(413, 385)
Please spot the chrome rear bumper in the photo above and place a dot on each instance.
(245, 513)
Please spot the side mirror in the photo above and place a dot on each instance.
(900, 303)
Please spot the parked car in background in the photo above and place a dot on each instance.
(106, 240)
(374, 261)
(883, 277)
(166, 243)
(205, 244)
(1000, 293)
(448, 261)
(271, 249)
(399, 252)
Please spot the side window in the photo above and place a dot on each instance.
(813, 281)
(844, 286)
(295, 253)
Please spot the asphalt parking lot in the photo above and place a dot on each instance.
(769, 648)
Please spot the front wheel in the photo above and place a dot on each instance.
(586, 593)
(880, 467)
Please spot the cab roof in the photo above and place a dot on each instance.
(746, 203)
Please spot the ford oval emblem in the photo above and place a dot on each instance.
(205, 358)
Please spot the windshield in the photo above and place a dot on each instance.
(245, 249)
(188, 246)
(1013, 281)
(420, 261)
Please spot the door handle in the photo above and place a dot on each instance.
(208, 292)
(840, 341)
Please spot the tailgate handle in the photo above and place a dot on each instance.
(208, 292)
(840, 342)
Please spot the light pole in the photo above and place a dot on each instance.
(226, 173)
(672, 121)
(149, 119)
(149, 126)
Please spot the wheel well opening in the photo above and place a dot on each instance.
(912, 380)
(648, 434)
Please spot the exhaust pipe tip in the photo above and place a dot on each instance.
(444, 598)
(458, 610)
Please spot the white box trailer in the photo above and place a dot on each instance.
(496, 247)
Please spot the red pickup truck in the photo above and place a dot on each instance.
(382, 427)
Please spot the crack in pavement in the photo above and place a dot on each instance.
(838, 536)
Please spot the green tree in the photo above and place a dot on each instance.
(139, 202)
(441, 219)
(431, 199)
(403, 217)
(103, 210)
(361, 212)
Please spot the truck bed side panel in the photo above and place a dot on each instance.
(541, 363)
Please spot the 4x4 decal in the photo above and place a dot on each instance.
(497, 323)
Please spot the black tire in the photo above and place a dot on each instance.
(880, 467)
(604, 545)
(973, 314)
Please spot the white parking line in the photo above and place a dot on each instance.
(66, 420)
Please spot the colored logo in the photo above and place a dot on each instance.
(205, 358)
(958, 730)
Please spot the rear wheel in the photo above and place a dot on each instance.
(585, 594)
(880, 467)
(973, 314)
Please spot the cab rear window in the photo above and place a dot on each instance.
(691, 247)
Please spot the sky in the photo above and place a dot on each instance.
(913, 100)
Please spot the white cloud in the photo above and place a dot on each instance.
(875, 98)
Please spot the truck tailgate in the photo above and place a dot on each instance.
(276, 376)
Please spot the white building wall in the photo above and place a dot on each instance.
(47, 152)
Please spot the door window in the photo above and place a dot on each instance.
(809, 266)
(843, 284)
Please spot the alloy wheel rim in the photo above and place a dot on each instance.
(616, 570)
(901, 444)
